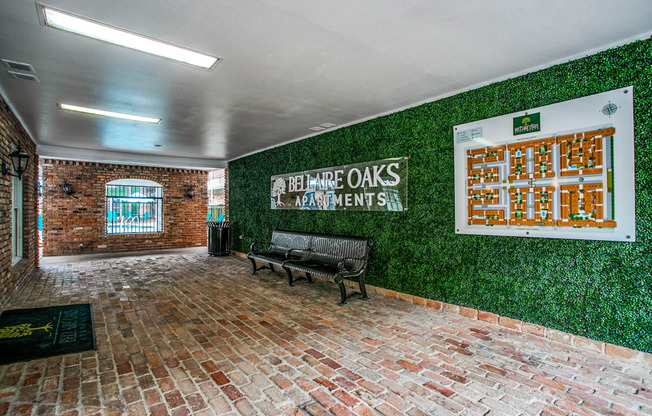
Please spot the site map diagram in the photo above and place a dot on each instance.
(564, 181)
(574, 184)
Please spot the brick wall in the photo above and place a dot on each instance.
(13, 276)
(76, 224)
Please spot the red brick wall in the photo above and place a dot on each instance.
(76, 224)
(13, 276)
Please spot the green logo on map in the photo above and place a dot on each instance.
(527, 124)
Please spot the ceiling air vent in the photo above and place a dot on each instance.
(18, 66)
(25, 77)
(322, 126)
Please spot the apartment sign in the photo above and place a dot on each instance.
(527, 124)
(380, 185)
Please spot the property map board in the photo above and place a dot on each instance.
(561, 171)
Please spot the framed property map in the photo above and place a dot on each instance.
(561, 171)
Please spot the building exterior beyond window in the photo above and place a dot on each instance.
(134, 206)
(216, 195)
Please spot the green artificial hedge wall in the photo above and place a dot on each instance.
(601, 290)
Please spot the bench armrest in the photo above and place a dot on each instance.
(341, 265)
(253, 245)
(302, 254)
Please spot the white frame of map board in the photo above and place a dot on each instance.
(573, 178)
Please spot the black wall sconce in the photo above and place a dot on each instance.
(19, 161)
(191, 191)
(67, 188)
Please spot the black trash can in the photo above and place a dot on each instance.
(219, 238)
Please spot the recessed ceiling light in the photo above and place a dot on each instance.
(85, 27)
(93, 111)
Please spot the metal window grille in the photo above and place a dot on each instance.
(134, 209)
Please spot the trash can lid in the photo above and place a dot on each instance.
(222, 224)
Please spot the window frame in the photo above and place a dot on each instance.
(145, 190)
(17, 232)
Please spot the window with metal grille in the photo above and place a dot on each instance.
(134, 206)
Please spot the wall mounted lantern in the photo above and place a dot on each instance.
(67, 188)
(18, 162)
(191, 191)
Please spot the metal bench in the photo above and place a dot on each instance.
(332, 256)
(275, 252)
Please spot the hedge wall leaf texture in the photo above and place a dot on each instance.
(597, 289)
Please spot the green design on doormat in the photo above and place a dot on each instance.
(27, 334)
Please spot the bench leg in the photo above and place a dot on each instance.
(342, 292)
(363, 290)
(253, 264)
(309, 277)
(271, 267)
(290, 280)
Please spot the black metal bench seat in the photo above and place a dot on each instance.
(332, 256)
(275, 252)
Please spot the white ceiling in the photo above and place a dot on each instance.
(288, 65)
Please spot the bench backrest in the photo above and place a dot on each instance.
(282, 241)
(324, 248)
(330, 249)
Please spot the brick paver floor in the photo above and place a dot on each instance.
(191, 334)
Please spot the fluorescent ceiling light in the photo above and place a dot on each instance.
(86, 110)
(75, 24)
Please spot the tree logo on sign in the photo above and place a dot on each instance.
(278, 189)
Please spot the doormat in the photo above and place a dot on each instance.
(28, 334)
